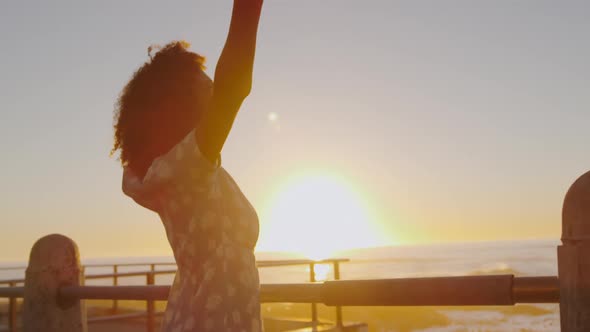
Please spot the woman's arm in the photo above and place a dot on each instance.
(233, 78)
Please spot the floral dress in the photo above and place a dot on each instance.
(213, 230)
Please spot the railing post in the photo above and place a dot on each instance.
(115, 283)
(151, 309)
(338, 308)
(12, 311)
(54, 262)
(314, 306)
(573, 258)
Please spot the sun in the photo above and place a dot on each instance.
(317, 216)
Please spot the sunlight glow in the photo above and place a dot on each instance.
(273, 120)
(272, 117)
(322, 271)
(316, 216)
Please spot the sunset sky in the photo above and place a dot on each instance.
(374, 122)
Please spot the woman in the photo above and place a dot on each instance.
(171, 124)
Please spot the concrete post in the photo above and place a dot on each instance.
(54, 262)
(574, 258)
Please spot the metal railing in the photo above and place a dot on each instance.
(150, 277)
(442, 291)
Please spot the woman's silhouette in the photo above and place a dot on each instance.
(171, 123)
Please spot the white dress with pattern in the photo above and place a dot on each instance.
(213, 230)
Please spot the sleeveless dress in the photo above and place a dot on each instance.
(212, 229)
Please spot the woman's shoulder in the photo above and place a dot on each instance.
(185, 159)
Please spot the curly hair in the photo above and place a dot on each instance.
(159, 106)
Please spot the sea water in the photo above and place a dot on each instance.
(521, 258)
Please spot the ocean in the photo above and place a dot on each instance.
(521, 258)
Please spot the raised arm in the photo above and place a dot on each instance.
(233, 78)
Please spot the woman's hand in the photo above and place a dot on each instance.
(233, 78)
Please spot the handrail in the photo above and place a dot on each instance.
(443, 291)
(127, 274)
(293, 262)
(12, 292)
(130, 264)
(104, 276)
(439, 291)
(152, 272)
(260, 263)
